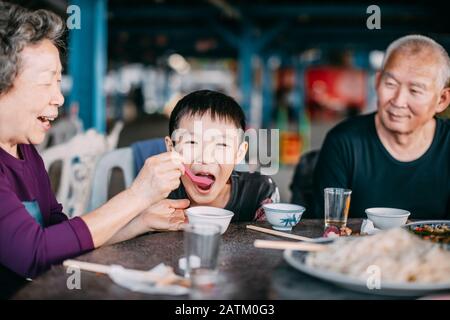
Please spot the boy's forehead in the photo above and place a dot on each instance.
(190, 121)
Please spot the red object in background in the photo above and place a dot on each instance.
(335, 90)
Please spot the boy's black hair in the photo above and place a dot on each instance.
(199, 102)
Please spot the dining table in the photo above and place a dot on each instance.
(247, 272)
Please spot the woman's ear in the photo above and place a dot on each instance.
(242, 151)
(169, 144)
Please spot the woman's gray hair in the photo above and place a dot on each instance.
(20, 27)
(413, 44)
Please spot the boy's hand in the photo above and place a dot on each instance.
(166, 215)
(158, 177)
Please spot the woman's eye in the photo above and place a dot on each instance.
(222, 145)
(191, 142)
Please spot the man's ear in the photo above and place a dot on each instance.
(242, 151)
(444, 100)
(169, 144)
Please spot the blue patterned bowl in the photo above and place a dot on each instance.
(283, 216)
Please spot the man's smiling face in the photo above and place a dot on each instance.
(408, 91)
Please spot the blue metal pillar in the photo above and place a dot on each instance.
(87, 62)
(246, 50)
(267, 92)
(247, 46)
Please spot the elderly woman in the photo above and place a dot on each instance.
(34, 233)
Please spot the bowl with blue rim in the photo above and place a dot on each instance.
(283, 216)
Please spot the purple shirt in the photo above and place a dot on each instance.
(27, 247)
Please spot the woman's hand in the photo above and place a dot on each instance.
(166, 215)
(158, 177)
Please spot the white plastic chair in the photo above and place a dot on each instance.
(121, 158)
(79, 157)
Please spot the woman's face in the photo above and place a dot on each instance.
(27, 109)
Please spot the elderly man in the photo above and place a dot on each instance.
(398, 156)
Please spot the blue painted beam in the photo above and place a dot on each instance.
(87, 63)
(272, 10)
(232, 39)
(163, 11)
(271, 34)
(333, 10)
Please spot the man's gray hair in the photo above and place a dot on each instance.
(20, 27)
(414, 44)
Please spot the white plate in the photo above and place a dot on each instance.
(410, 226)
(422, 222)
(323, 240)
(297, 260)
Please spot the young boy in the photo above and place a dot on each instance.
(207, 129)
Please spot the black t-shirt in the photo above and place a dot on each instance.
(353, 157)
(249, 191)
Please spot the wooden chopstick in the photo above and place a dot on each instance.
(170, 278)
(291, 245)
(87, 266)
(279, 233)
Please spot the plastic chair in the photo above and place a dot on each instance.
(79, 157)
(121, 158)
(303, 181)
(130, 160)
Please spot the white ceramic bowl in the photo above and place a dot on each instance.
(387, 218)
(210, 215)
(283, 216)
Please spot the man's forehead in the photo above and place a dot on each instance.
(418, 74)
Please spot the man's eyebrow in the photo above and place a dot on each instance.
(390, 75)
(419, 84)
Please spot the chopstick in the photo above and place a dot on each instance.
(170, 278)
(87, 266)
(279, 233)
(290, 245)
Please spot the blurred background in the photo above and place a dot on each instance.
(299, 66)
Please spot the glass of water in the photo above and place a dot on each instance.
(201, 246)
(337, 205)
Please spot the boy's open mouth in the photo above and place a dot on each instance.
(207, 176)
